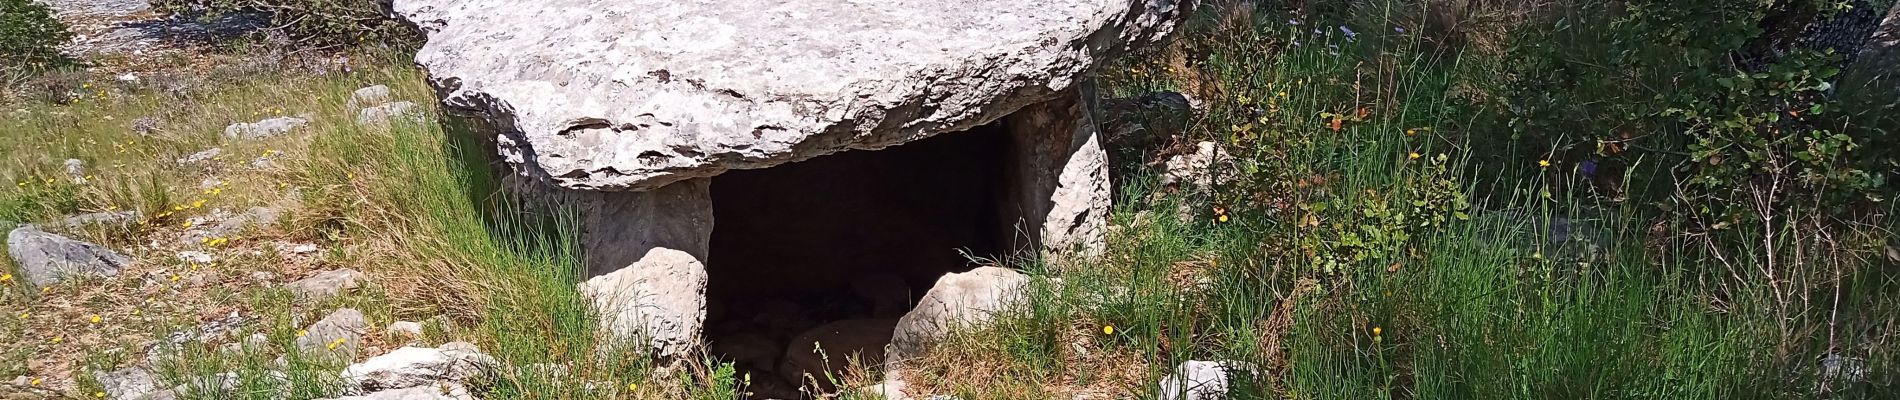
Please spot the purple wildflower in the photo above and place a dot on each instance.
(1350, 35)
(1399, 29)
(1293, 22)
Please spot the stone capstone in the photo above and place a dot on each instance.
(613, 95)
(46, 258)
(957, 301)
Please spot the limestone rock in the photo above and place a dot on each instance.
(661, 299)
(368, 96)
(1203, 380)
(128, 383)
(101, 218)
(840, 341)
(613, 95)
(75, 169)
(384, 114)
(404, 329)
(956, 301)
(1199, 172)
(264, 128)
(201, 156)
(325, 285)
(436, 392)
(409, 367)
(340, 333)
(46, 258)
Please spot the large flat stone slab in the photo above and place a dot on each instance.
(632, 95)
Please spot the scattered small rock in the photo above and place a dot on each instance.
(447, 391)
(128, 383)
(1200, 171)
(47, 258)
(340, 333)
(145, 126)
(263, 276)
(383, 114)
(1202, 380)
(378, 94)
(75, 169)
(101, 218)
(265, 128)
(196, 257)
(326, 284)
(301, 248)
(407, 367)
(408, 329)
(202, 156)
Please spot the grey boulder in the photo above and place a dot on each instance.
(47, 258)
(128, 383)
(338, 333)
(387, 113)
(407, 367)
(325, 285)
(957, 301)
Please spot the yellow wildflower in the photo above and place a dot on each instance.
(36, 381)
(99, 394)
(301, 333)
(1376, 331)
(95, 318)
(6, 278)
(1108, 329)
(57, 339)
(633, 387)
(23, 315)
(187, 224)
(1412, 156)
(1543, 163)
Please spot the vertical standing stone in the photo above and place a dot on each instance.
(646, 261)
(1059, 177)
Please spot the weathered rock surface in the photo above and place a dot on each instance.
(611, 95)
(326, 284)
(1198, 172)
(840, 342)
(369, 96)
(128, 383)
(339, 333)
(454, 362)
(47, 258)
(661, 298)
(437, 392)
(101, 218)
(265, 128)
(404, 329)
(1203, 380)
(386, 113)
(956, 301)
(75, 169)
(201, 156)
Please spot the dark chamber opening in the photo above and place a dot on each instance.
(836, 248)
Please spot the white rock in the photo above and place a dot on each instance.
(957, 301)
(1199, 172)
(196, 257)
(46, 258)
(101, 218)
(201, 156)
(436, 392)
(667, 91)
(128, 383)
(326, 284)
(75, 169)
(364, 97)
(409, 367)
(405, 329)
(1203, 380)
(661, 298)
(384, 114)
(264, 128)
(344, 328)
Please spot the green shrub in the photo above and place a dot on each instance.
(311, 23)
(29, 37)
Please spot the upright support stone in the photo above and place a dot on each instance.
(646, 261)
(1060, 177)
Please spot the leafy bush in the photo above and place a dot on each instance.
(310, 23)
(29, 36)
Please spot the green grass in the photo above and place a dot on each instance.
(1389, 233)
